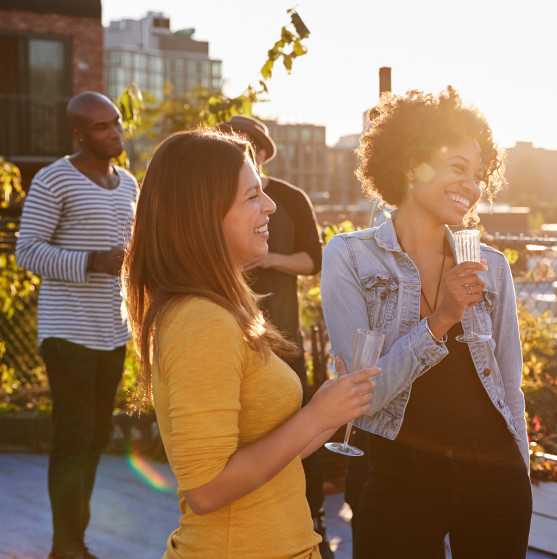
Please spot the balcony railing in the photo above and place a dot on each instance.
(33, 127)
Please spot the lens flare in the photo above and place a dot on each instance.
(148, 473)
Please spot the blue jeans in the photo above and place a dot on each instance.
(83, 385)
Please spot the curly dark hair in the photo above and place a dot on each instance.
(406, 131)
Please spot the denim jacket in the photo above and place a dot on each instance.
(368, 282)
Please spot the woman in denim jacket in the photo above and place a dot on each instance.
(445, 436)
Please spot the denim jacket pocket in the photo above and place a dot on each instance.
(381, 295)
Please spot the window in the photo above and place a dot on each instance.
(35, 86)
(216, 70)
(140, 61)
(289, 150)
(306, 135)
(155, 64)
(179, 66)
(156, 85)
(179, 84)
(114, 58)
(192, 71)
(308, 154)
(127, 59)
(319, 157)
(141, 79)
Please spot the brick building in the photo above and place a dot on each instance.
(344, 187)
(301, 157)
(49, 51)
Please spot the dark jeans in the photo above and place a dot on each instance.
(83, 385)
(409, 502)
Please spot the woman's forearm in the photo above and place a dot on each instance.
(317, 442)
(255, 464)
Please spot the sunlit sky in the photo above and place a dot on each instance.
(500, 55)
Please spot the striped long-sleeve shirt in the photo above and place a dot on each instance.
(65, 217)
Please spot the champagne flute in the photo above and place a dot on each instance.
(366, 348)
(467, 249)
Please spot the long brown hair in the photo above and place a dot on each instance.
(178, 246)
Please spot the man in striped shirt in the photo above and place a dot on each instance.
(75, 223)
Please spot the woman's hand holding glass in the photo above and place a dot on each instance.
(462, 288)
(343, 399)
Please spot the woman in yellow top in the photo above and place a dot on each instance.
(228, 408)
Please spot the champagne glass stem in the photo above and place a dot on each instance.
(347, 434)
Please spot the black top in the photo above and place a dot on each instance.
(449, 412)
(292, 229)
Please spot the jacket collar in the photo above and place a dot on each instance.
(385, 236)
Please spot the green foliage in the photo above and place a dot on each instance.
(288, 47)
(17, 286)
(512, 255)
(131, 105)
(539, 336)
(127, 388)
(11, 189)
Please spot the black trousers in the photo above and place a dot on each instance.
(313, 468)
(409, 501)
(83, 385)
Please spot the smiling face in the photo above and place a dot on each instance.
(448, 186)
(101, 131)
(246, 224)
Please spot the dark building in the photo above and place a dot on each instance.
(344, 187)
(301, 157)
(531, 173)
(49, 51)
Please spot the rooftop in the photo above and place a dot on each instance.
(134, 510)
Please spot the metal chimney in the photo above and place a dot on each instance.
(384, 80)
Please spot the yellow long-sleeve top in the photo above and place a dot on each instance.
(213, 394)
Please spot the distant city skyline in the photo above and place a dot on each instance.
(499, 56)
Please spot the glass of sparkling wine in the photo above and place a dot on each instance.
(366, 348)
(467, 249)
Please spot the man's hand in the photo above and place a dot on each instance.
(299, 263)
(106, 261)
(262, 262)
